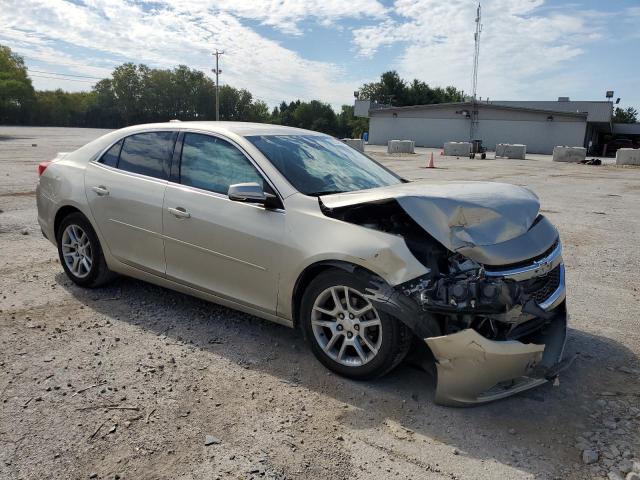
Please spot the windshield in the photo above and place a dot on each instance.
(318, 165)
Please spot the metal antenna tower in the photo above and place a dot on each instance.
(476, 57)
(476, 54)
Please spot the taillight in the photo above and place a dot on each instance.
(42, 166)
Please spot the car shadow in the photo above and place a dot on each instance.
(541, 423)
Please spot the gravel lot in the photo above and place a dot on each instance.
(133, 381)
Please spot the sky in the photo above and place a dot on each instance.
(299, 49)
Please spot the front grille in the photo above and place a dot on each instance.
(541, 288)
(524, 263)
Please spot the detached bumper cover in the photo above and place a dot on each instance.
(473, 369)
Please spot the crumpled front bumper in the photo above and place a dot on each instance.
(473, 369)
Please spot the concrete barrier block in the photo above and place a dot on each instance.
(356, 143)
(628, 156)
(569, 154)
(511, 150)
(457, 149)
(401, 146)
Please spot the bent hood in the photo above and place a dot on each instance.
(459, 215)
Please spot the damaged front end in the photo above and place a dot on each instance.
(504, 331)
(500, 332)
(494, 328)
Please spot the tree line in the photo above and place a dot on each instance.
(625, 115)
(136, 94)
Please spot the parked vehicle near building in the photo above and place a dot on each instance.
(614, 145)
(295, 227)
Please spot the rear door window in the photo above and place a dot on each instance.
(213, 164)
(147, 153)
(110, 157)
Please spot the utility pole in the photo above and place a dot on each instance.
(217, 71)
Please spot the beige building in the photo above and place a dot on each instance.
(540, 125)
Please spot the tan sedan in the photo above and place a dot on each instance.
(296, 227)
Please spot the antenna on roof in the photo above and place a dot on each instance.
(476, 57)
(476, 54)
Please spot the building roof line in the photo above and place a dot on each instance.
(550, 101)
(479, 103)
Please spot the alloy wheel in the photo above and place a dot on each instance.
(76, 251)
(346, 326)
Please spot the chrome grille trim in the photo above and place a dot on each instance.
(558, 296)
(534, 269)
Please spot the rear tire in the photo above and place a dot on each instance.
(80, 252)
(352, 339)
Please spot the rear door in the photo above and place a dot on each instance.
(125, 189)
(212, 243)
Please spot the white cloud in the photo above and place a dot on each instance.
(529, 48)
(286, 14)
(519, 44)
(166, 33)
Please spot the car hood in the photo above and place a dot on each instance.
(460, 215)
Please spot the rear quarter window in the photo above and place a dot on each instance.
(110, 157)
(147, 153)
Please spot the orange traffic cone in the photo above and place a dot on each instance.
(431, 165)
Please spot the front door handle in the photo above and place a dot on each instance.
(179, 212)
(101, 190)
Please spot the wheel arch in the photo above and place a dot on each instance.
(385, 297)
(62, 213)
(66, 210)
(311, 272)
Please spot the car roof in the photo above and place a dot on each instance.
(242, 129)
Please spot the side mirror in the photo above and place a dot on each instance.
(247, 192)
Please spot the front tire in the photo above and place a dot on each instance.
(347, 334)
(80, 252)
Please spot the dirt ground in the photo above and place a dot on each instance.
(133, 381)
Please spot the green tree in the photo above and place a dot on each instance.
(193, 94)
(59, 108)
(627, 115)
(137, 94)
(127, 90)
(283, 115)
(239, 105)
(103, 112)
(258, 112)
(393, 90)
(16, 90)
(315, 115)
(349, 125)
(390, 89)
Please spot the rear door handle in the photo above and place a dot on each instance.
(101, 190)
(179, 212)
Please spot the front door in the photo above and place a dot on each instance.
(125, 189)
(227, 248)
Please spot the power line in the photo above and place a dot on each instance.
(64, 74)
(59, 78)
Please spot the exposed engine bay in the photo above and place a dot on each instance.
(487, 306)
